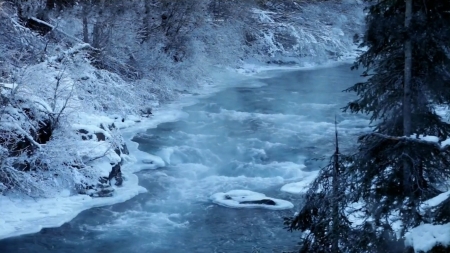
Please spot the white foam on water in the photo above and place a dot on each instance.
(317, 106)
(286, 170)
(302, 186)
(139, 222)
(185, 190)
(192, 170)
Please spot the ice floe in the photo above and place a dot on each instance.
(249, 199)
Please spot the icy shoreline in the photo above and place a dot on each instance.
(26, 216)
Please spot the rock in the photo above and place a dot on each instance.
(105, 192)
(146, 112)
(117, 151)
(250, 38)
(22, 165)
(84, 134)
(103, 181)
(100, 136)
(110, 127)
(44, 132)
(282, 63)
(116, 174)
(123, 149)
(259, 202)
(36, 25)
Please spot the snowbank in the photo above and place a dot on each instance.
(26, 216)
(424, 237)
(19, 217)
(249, 199)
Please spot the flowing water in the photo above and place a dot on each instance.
(259, 133)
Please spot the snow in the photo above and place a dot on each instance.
(234, 198)
(10, 86)
(25, 216)
(424, 237)
(431, 138)
(356, 214)
(433, 202)
(300, 187)
(251, 69)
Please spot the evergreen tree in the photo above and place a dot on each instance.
(408, 64)
(323, 218)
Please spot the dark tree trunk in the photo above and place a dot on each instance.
(85, 30)
(85, 12)
(407, 163)
(50, 4)
(407, 75)
(335, 199)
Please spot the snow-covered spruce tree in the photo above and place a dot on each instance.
(395, 169)
(323, 217)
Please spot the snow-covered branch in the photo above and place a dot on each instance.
(428, 140)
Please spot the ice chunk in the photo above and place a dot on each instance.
(249, 199)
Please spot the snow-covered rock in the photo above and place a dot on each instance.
(249, 199)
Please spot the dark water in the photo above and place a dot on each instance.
(259, 134)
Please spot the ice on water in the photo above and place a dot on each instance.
(235, 199)
(300, 187)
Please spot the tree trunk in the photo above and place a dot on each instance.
(407, 97)
(84, 13)
(407, 74)
(335, 199)
(146, 23)
(96, 35)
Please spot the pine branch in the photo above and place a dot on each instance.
(410, 139)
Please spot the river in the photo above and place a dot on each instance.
(258, 133)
